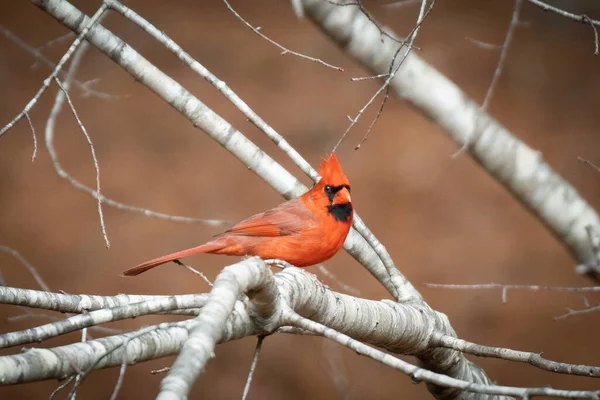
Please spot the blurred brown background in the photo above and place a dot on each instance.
(444, 220)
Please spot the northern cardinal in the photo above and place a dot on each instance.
(304, 231)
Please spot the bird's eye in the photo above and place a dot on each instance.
(327, 189)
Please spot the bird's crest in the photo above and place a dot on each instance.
(331, 171)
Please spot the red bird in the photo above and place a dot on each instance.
(304, 231)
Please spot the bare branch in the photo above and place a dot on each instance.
(580, 18)
(566, 14)
(160, 371)
(248, 276)
(484, 45)
(375, 322)
(284, 50)
(432, 378)
(37, 54)
(91, 22)
(570, 312)
(337, 280)
(507, 159)
(30, 268)
(514, 22)
(61, 387)
(151, 343)
(100, 198)
(65, 93)
(588, 162)
(412, 36)
(393, 68)
(194, 271)
(596, 45)
(252, 367)
(73, 303)
(35, 147)
(102, 316)
(514, 355)
(401, 3)
(506, 288)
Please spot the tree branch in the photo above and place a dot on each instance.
(252, 277)
(507, 159)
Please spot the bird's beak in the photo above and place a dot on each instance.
(342, 197)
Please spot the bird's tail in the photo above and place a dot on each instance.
(204, 248)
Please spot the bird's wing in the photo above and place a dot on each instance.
(289, 218)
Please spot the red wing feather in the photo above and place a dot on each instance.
(289, 218)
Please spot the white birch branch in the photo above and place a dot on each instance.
(410, 328)
(61, 362)
(250, 276)
(101, 316)
(74, 303)
(507, 159)
(454, 388)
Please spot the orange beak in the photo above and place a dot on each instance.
(342, 197)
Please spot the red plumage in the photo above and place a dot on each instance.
(304, 231)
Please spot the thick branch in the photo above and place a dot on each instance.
(510, 161)
(514, 355)
(160, 341)
(251, 276)
(410, 328)
(102, 316)
(76, 303)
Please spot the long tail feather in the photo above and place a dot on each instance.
(204, 248)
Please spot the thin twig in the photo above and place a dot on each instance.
(54, 41)
(483, 45)
(56, 70)
(279, 263)
(514, 22)
(337, 280)
(50, 125)
(589, 21)
(284, 50)
(588, 162)
(35, 146)
(392, 70)
(506, 288)
(92, 149)
(253, 366)
(124, 343)
(160, 370)
(78, 376)
(391, 73)
(534, 359)
(575, 17)
(570, 312)
(363, 10)
(37, 54)
(32, 270)
(400, 3)
(364, 78)
(194, 271)
(119, 384)
(61, 387)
